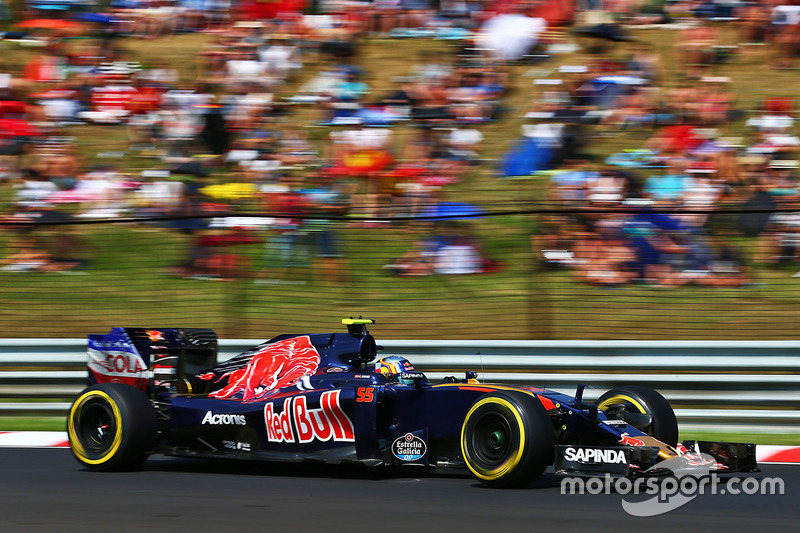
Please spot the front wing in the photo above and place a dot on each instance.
(700, 458)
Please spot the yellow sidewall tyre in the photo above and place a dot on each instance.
(507, 439)
(644, 400)
(111, 426)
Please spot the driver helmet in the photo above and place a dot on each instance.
(393, 367)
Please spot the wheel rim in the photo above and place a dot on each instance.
(634, 411)
(491, 439)
(97, 427)
(631, 404)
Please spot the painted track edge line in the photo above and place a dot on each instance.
(777, 454)
(58, 439)
(33, 439)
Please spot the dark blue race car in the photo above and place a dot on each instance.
(325, 397)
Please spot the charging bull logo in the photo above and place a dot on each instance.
(272, 367)
(298, 423)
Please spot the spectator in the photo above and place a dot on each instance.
(328, 201)
(604, 260)
(287, 247)
(783, 232)
(671, 185)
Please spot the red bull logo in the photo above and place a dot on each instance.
(630, 441)
(154, 335)
(298, 423)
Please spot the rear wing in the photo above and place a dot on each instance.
(146, 358)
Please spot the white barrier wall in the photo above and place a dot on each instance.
(712, 385)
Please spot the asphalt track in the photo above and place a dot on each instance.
(46, 490)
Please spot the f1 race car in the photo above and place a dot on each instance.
(299, 397)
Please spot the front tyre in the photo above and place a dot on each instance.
(639, 400)
(507, 439)
(111, 426)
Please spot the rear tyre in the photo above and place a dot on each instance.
(111, 426)
(507, 439)
(645, 401)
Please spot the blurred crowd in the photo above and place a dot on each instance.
(651, 213)
(229, 139)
